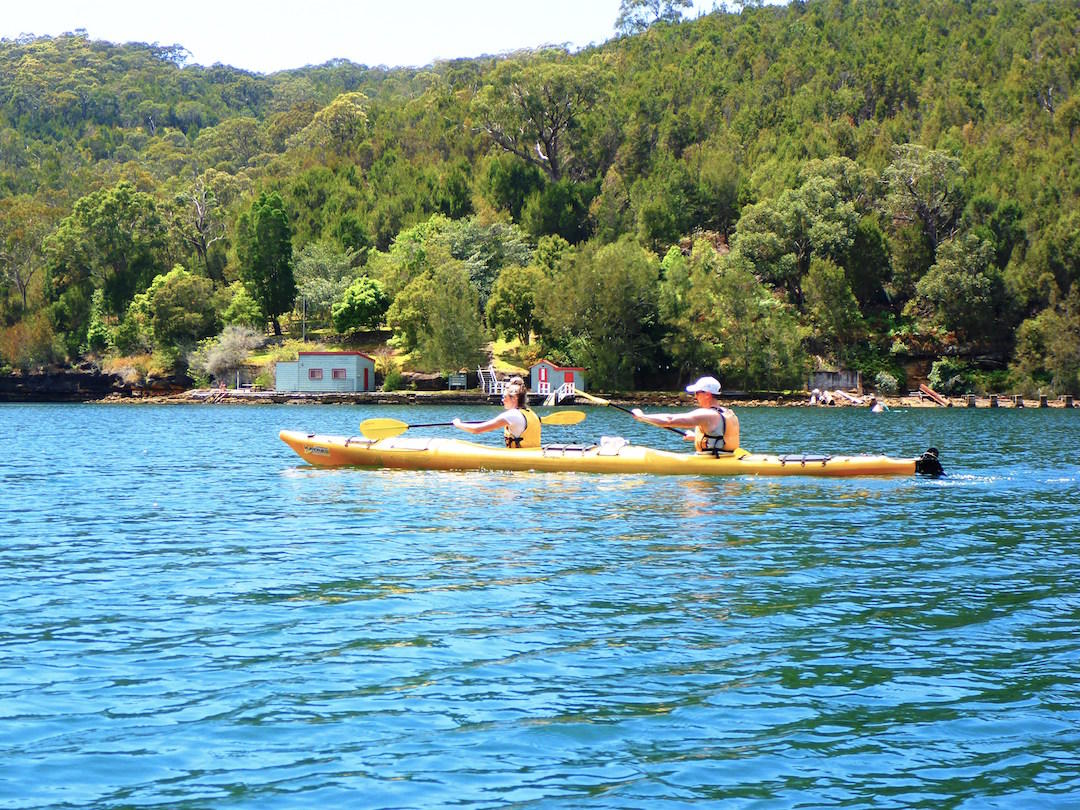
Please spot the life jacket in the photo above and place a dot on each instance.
(726, 441)
(530, 437)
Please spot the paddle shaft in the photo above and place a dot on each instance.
(610, 404)
(564, 418)
(385, 428)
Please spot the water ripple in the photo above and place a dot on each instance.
(193, 618)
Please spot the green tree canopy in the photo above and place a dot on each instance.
(781, 236)
(437, 318)
(113, 240)
(636, 16)
(265, 248)
(361, 306)
(512, 309)
(833, 309)
(240, 308)
(323, 273)
(599, 308)
(24, 223)
(181, 309)
(1048, 348)
(926, 187)
(963, 291)
(535, 109)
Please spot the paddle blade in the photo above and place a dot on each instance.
(591, 398)
(376, 429)
(563, 418)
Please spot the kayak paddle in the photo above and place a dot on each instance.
(385, 428)
(610, 404)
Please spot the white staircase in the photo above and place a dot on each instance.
(488, 382)
(565, 390)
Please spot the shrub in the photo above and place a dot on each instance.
(30, 343)
(950, 376)
(394, 381)
(886, 383)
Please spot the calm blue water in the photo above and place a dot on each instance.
(193, 618)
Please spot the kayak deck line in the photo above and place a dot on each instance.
(609, 456)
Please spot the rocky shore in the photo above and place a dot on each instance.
(90, 385)
(643, 399)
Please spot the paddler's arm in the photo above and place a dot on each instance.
(675, 420)
(482, 427)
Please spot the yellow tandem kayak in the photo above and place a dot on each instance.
(415, 453)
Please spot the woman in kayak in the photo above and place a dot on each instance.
(521, 427)
(716, 429)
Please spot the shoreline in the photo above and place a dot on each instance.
(649, 399)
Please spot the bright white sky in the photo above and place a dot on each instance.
(276, 35)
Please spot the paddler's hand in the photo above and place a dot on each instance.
(638, 414)
(456, 423)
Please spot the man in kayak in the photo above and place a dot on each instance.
(716, 429)
(521, 427)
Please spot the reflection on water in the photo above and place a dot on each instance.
(193, 618)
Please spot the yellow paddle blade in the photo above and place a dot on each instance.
(563, 418)
(376, 429)
(591, 398)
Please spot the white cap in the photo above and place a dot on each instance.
(710, 384)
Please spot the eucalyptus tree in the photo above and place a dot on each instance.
(781, 236)
(323, 273)
(512, 307)
(926, 187)
(533, 106)
(199, 221)
(1048, 348)
(335, 129)
(24, 223)
(718, 315)
(181, 309)
(963, 291)
(436, 317)
(636, 16)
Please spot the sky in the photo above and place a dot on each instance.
(274, 35)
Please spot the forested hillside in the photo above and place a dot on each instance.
(849, 183)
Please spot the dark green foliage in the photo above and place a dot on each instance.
(883, 138)
(599, 308)
(1048, 348)
(963, 291)
(266, 256)
(561, 209)
(510, 182)
(511, 309)
(950, 376)
(436, 316)
(113, 241)
(181, 309)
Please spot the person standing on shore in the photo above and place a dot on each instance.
(715, 428)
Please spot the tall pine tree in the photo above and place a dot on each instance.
(266, 263)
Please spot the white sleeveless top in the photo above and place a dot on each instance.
(516, 419)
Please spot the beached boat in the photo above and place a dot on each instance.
(610, 456)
